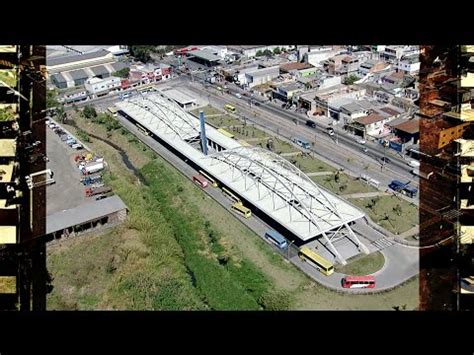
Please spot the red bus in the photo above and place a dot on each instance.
(185, 50)
(200, 180)
(358, 282)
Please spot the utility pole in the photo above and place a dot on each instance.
(288, 250)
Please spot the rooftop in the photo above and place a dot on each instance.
(204, 54)
(409, 126)
(257, 175)
(390, 111)
(287, 67)
(83, 213)
(264, 71)
(372, 118)
(179, 96)
(77, 58)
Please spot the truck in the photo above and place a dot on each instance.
(403, 188)
(89, 191)
(90, 179)
(91, 168)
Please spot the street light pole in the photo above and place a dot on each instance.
(288, 249)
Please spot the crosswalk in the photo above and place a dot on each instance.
(382, 243)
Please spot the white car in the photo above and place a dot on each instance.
(238, 95)
(362, 141)
(414, 164)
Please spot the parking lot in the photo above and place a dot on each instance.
(67, 192)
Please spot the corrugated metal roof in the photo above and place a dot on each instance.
(76, 58)
(58, 78)
(83, 213)
(78, 74)
(99, 70)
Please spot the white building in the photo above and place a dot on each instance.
(316, 55)
(409, 65)
(220, 51)
(262, 76)
(96, 86)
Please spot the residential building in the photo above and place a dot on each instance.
(409, 65)
(285, 92)
(372, 66)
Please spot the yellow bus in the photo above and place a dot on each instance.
(241, 209)
(231, 195)
(230, 108)
(323, 265)
(211, 180)
(113, 110)
(225, 133)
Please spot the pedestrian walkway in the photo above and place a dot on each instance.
(291, 154)
(412, 231)
(365, 194)
(320, 173)
(382, 243)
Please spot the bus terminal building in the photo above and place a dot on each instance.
(271, 186)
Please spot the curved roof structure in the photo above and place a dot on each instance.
(267, 181)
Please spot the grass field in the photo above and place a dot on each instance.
(363, 265)
(174, 252)
(390, 212)
(345, 185)
(308, 164)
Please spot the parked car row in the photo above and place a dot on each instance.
(68, 139)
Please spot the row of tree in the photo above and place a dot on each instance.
(268, 53)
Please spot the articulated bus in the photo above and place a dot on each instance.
(225, 133)
(231, 195)
(358, 282)
(315, 260)
(211, 180)
(142, 129)
(230, 108)
(241, 209)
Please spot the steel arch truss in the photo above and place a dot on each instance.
(290, 188)
(163, 111)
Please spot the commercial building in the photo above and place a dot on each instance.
(261, 76)
(98, 87)
(204, 57)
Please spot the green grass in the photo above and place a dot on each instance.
(216, 284)
(383, 207)
(345, 185)
(363, 265)
(308, 164)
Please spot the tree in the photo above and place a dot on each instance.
(259, 53)
(51, 99)
(122, 73)
(89, 112)
(61, 113)
(267, 53)
(351, 79)
(397, 209)
(277, 50)
(336, 177)
(141, 53)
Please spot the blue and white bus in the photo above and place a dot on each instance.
(277, 239)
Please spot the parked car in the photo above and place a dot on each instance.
(364, 149)
(362, 141)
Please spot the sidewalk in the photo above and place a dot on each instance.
(366, 194)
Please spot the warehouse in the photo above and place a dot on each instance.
(204, 57)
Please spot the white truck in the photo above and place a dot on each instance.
(91, 167)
